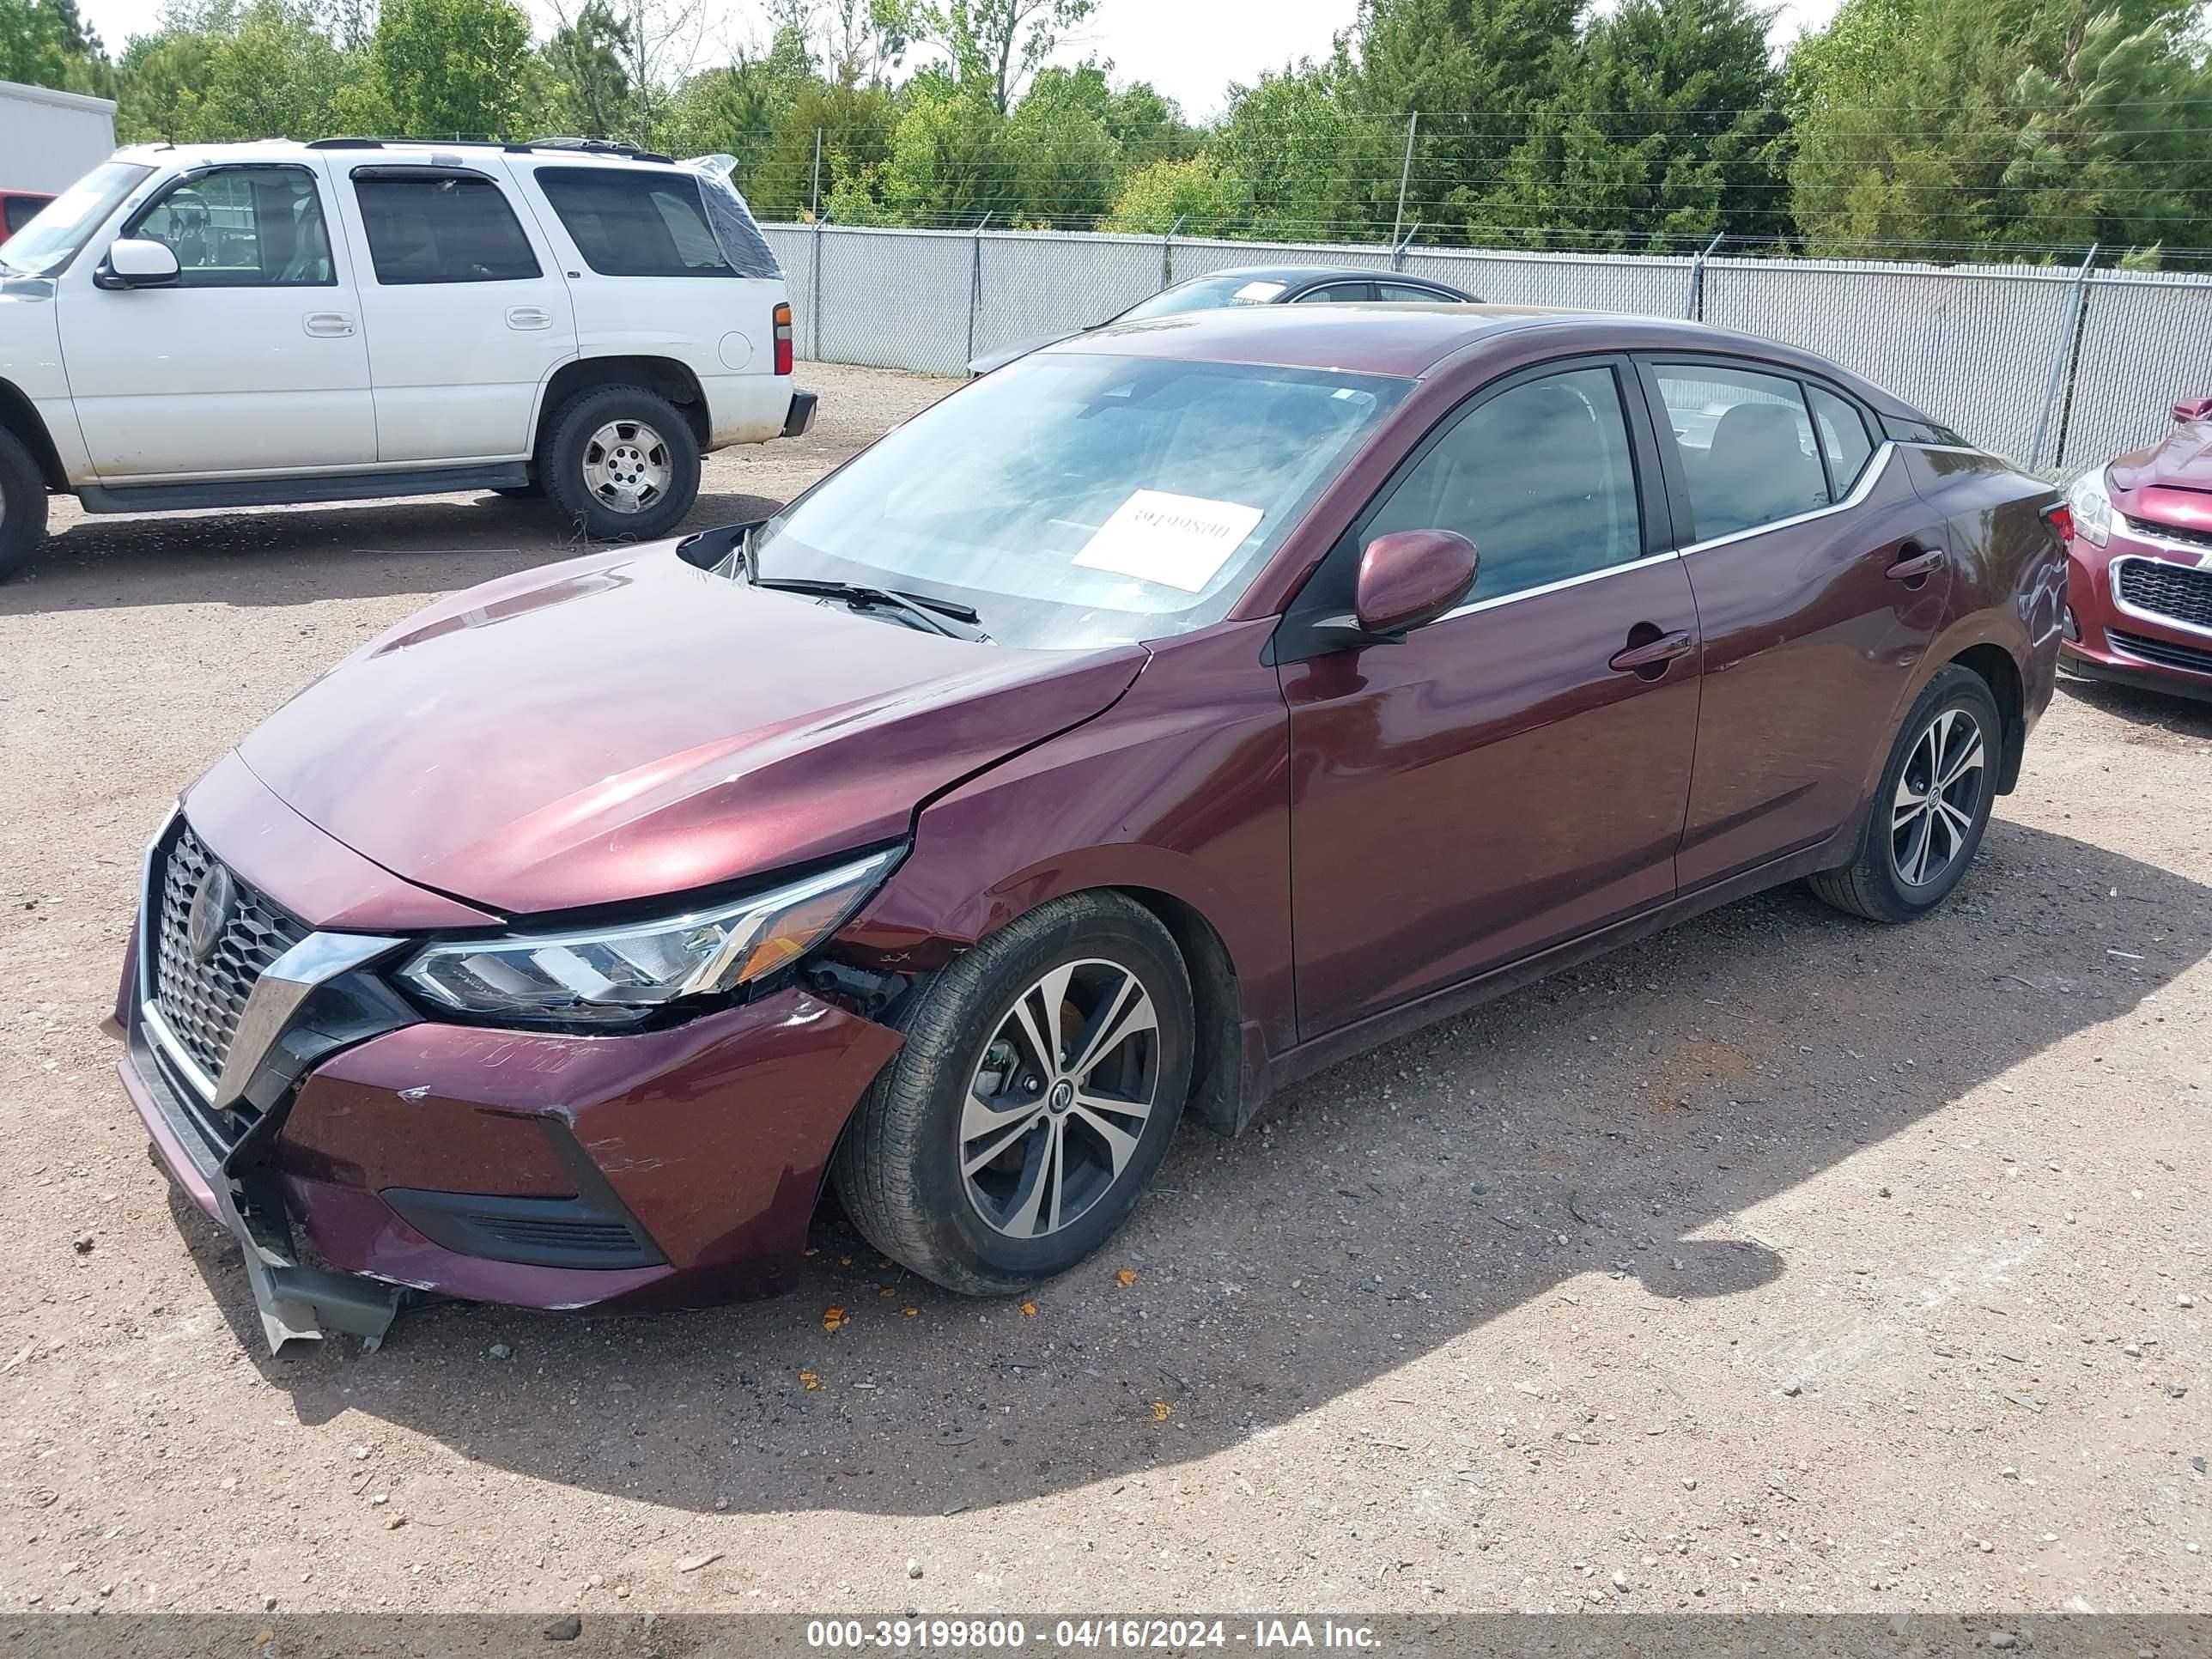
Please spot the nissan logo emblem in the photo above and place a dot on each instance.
(210, 916)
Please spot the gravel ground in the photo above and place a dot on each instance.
(1780, 1261)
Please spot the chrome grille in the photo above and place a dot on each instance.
(200, 1001)
(2165, 590)
(2173, 533)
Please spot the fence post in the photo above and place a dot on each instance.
(975, 284)
(817, 173)
(1167, 252)
(1697, 311)
(1405, 168)
(814, 309)
(1398, 250)
(2062, 361)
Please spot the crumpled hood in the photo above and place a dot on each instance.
(2183, 461)
(626, 726)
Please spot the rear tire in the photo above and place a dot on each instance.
(23, 505)
(1925, 822)
(622, 463)
(983, 1167)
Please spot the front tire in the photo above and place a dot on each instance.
(622, 463)
(1042, 1078)
(1930, 808)
(23, 505)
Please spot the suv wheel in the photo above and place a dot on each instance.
(1041, 1077)
(623, 463)
(23, 505)
(1930, 808)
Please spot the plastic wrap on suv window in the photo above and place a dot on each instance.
(741, 240)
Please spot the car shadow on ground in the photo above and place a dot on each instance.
(309, 555)
(2183, 716)
(1616, 1119)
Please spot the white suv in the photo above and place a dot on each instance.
(243, 325)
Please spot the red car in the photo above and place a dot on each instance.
(2139, 563)
(18, 207)
(1173, 712)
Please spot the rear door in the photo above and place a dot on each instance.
(252, 361)
(466, 310)
(1822, 578)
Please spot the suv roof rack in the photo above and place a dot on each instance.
(588, 146)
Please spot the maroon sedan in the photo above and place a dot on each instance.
(2139, 563)
(1171, 712)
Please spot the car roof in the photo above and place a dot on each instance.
(1302, 275)
(1410, 341)
(416, 151)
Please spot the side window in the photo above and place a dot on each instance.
(641, 223)
(1843, 438)
(1746, 443)
(1539, 478)
(1404, 291)
(256, 226)
(1336, 294)
(428, 227)
(22, 210)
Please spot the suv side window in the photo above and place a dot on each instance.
(428, 225)
(1540, 477)
(243, 227)
(1746, 443)
(635, 224)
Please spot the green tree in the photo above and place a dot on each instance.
(267, 70)
(1059, 163)
(588, 92)
(2031, 124)
(1672, 127)
(945, 163)
(994, 45)
(452, 68)
(1193, 194)
(45, 43)
(1295, 148)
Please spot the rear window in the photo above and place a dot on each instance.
(656, 223)
(440, 228)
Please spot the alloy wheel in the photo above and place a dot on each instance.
(627, 466)
(1060, 1100)
(1939, 794)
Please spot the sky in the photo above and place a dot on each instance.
(1191, 50)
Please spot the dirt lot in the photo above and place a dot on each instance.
(1781, 1262)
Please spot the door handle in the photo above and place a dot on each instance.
(328, 325)
(528, 317)
(1915, 563)
(1648, 659)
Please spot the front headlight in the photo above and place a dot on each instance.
(2093, 506)
(618, 975)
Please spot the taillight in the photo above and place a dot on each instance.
(783, 337)
(2060, 517)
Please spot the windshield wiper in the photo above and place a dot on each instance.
(924, 609)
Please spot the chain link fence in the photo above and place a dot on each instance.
(2055, 367)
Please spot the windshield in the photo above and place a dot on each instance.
(49, 242)
(1076, 500)
(1206, 293)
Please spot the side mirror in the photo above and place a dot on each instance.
(1409, 578)
(2193, 409)
(133, 262)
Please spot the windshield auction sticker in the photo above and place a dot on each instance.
(1177, 541)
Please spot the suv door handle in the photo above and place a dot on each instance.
(528, 317)
(1652, 654)
(1914, 563)
(330, 325)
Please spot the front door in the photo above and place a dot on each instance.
(468, 314)
(1517, 773)
(253, 361)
